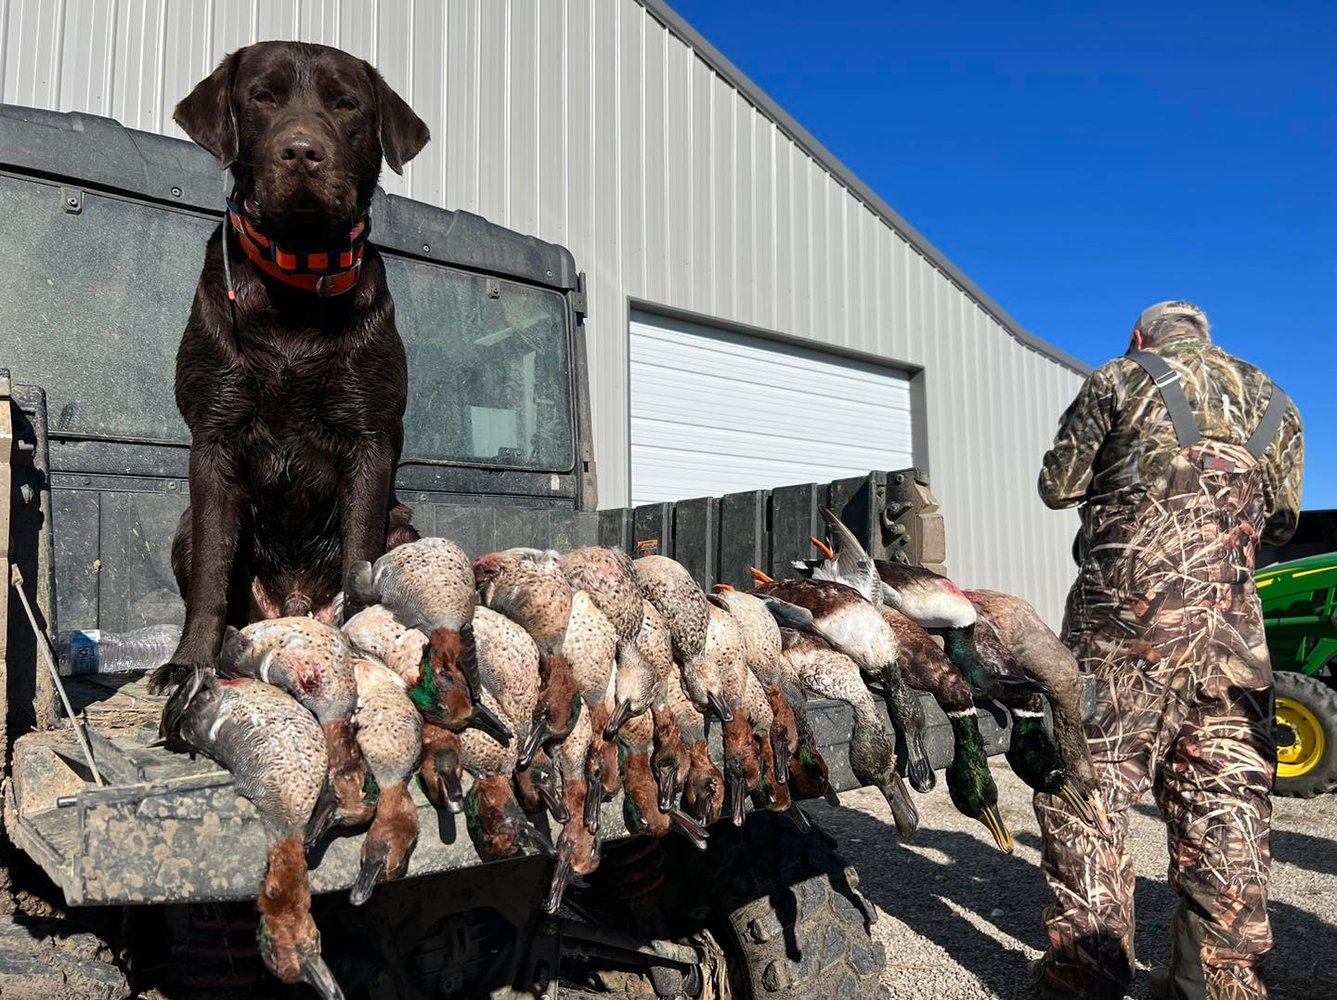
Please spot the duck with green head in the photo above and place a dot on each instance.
(927, 668)
(428, 584)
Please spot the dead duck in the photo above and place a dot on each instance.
(591, 649)
(529, 587)
(1024, 640)
(496, 823)
(702, 782)
(389, 733)
(641, 806)
(927, 598)
(429, 585)
(441, 697)
(577, 845)
(768, 792)
(676, 596)
(508, 667)
(829, 673)
(850, 623)
(312, 662)
(642, 683)
(764, 657)
(275, 751)
(926, 668)
(726, 649)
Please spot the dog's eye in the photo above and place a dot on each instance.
(345, 103)
(263, 97)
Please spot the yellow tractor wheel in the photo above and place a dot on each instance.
(1306, 731)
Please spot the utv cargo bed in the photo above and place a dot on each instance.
(166, 828)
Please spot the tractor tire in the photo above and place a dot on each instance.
(1306, 713)
(789, 914)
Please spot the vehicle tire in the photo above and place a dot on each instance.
(790, 914)
(1306, 713)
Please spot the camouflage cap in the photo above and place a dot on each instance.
(1174, 307)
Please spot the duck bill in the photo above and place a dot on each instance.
(903, 810)
(369, 875)
(550, 792)
(798, 818)
(666, 777)
(780, 751)
(621, 715)
(736, 793)
(831, 796)
(993, 820)
(688, 827)
(530, 836)
(594, 796)
(1089, 810)
(316, 974)
(538, 735)
(450, 789)
(561, 878)
(719, 706)
(489, 722)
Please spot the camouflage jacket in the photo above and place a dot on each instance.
(1116, 435)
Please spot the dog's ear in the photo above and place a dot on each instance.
(403, 134)
(206, 113)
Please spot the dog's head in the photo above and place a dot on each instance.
(304, 128)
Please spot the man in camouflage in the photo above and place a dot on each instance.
(1182, 458)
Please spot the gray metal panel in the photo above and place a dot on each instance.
(612, 127)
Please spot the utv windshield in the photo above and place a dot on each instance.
(95, 295)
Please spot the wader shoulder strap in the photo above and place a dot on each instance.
(1270, 423)
(1166, 380)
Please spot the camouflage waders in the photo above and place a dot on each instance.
(1165, 616)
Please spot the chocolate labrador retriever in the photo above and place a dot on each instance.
(291, 375)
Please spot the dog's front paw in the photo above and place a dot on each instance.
(168, 677)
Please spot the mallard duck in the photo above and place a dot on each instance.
(389, 734)
(927, 598)
(312, 662)
(1013, 635)
(676, 596)
(829, 673)
(851, 624)
(926, 668)
(429, 585)
(275, 751)
(529, 587)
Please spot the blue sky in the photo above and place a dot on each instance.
(1082, 161)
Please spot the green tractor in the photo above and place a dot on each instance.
(1300, 613)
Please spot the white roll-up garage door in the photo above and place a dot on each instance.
(716, 412)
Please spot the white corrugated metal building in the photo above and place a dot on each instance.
(758, 316)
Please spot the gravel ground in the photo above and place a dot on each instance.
(961, 920)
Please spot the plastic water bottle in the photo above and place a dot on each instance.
(93, 651)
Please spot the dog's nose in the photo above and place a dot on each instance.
(303, 151)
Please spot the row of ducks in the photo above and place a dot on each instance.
(528, 681)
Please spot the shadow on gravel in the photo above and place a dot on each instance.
(927, 883)
(1313, 854)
